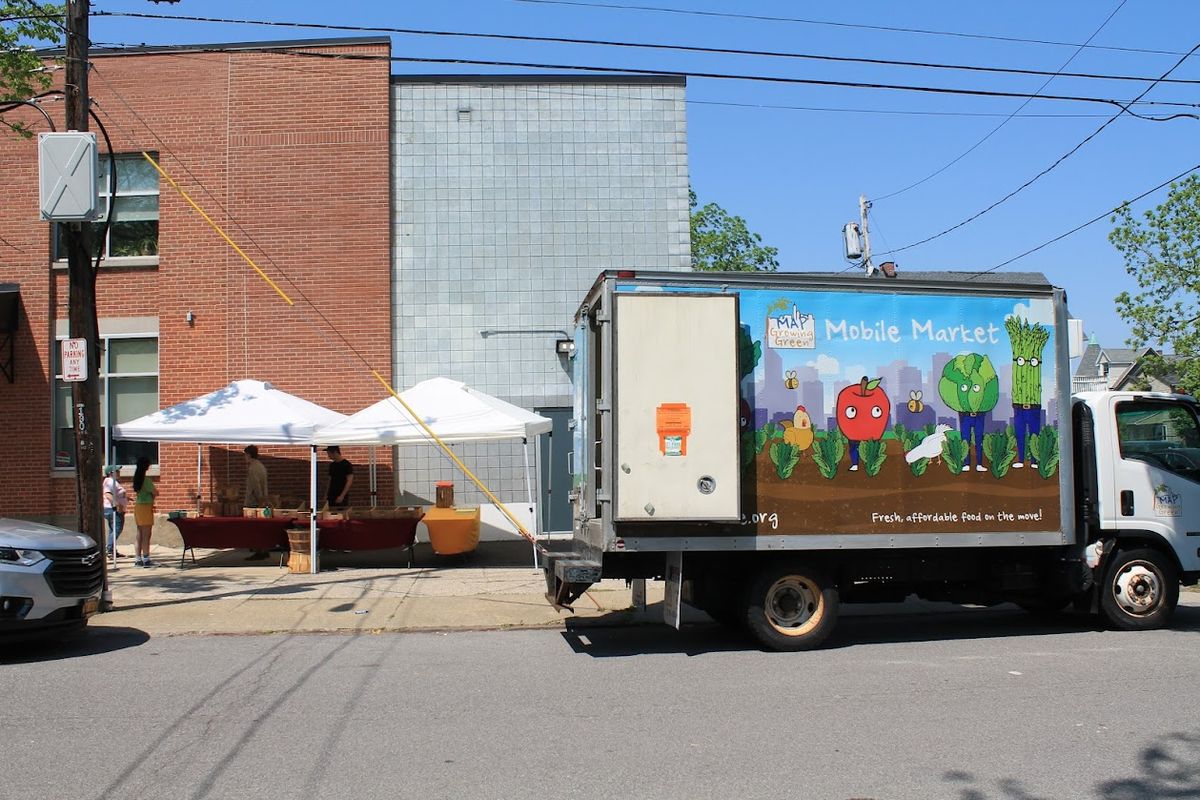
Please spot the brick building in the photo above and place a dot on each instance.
(442, 225)
(291, 156)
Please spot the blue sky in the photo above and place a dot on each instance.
(796, 175)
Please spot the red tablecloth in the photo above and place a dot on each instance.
(366, 534)
(234, 532)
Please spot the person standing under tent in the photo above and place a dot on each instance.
(341, 478)
(256, 488)
(116, 500)
(143, 510)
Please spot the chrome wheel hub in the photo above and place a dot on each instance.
(1138, 588)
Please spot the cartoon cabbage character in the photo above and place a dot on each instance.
(970, 386)
(1028, 342)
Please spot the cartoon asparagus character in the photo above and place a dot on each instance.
(1028, 341)
(969, 385)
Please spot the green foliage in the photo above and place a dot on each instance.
(969, 384)
(1001, 452)
(722, 242)
(873, 453)
(955, 452)
(1044, 446)
(828, 452)
(1161, 250)
(901, 433)
(785, 457)
(749, 352)
(782, 304)
(919, 466)
(748, 449)
(25, 25)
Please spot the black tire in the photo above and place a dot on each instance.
(791, 607)
(1140, 589)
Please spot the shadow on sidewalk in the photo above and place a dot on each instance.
(74, 644)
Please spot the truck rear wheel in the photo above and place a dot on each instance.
(1140, 589)
(791, 607)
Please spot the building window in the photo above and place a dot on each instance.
(128, 390)
(134, 228)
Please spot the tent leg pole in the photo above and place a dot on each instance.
(199, 475)
(529, 499)
(312, 522)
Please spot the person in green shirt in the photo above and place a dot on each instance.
(143, 510)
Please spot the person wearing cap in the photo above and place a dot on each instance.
(341, 478)
(116, 499)
(256, 488)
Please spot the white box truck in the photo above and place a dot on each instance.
(773, 445)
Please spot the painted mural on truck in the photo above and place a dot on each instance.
(877, 413)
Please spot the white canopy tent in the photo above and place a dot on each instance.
(244, 412)
(452, 410)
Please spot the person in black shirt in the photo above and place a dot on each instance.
(341, 478)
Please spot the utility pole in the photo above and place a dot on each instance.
(81, 279)
(864, 206)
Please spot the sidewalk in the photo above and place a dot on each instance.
(495, 588)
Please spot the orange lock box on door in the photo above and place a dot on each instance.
(673, 422)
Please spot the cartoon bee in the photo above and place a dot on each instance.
(790, 380)
(915, 405)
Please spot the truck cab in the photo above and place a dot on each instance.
(1138, 457)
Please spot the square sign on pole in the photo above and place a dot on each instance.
(67, 170)
(74, 360)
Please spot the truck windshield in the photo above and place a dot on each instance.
(1161, 433)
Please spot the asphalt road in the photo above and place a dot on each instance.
(973, 705)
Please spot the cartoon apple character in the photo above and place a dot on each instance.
(863, 410)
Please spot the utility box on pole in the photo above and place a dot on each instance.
(67, 170)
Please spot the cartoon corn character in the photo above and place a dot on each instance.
(1028, 341)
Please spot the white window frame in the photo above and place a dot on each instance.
(104, 200)
(105, 374)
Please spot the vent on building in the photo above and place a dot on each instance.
(464, 114)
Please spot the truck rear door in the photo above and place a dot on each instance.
(676, 407)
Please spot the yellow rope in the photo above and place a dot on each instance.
(217, 228)
(503, 509)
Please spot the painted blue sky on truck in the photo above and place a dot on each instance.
(839, 337)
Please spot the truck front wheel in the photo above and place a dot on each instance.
(791, 608)
(1140, 589)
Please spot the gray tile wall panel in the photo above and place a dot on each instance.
(509, 199)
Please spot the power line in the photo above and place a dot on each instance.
(1007, 119)
(305, 53)
(637, 45)
(1091, 221)
(858, 26)
(1035, 178)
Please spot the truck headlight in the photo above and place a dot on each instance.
(20, 557)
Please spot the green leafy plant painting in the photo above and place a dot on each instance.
(1001, 451)
(955, 452)
(828, 451)
(1044, 446)
(785, 457)
(874, 453)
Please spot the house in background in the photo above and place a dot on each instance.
(1117, 368)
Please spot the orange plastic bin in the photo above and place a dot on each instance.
(452, 530)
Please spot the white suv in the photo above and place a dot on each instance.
(49, 577)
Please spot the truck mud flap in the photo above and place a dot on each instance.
(567, 578)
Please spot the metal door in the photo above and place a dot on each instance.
(554, 493)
